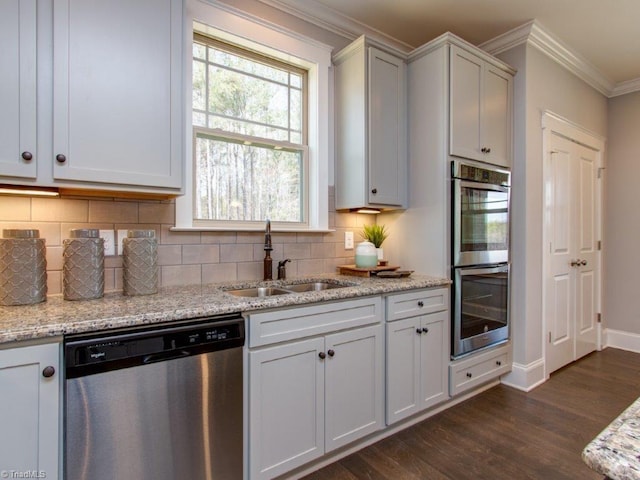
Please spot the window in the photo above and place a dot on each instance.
(249, 124)
(259, 38)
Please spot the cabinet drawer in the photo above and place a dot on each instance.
(299, 322)
(420, 302)
(471, 372)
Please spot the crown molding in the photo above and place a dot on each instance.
(338, 23)
(534, 34)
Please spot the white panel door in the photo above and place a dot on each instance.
(354, 395)
(29, 410)
(403, 368)
(434, 353)
(572, 278)
(18, 153)
(117, 92)
(286, 407)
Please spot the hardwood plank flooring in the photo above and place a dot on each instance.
(504, 433)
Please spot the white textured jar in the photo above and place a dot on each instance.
(23, 267)
(366, 255)
(83, 265)
(140, 263)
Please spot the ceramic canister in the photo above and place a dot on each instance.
(366, 255)
(83, 265)
(140, 263)
(23, 267)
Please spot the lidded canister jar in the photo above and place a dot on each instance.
(140, 263)
(83, 265)
(23, 267)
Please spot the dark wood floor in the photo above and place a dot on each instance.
(507, 434)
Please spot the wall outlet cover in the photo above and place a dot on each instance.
(122, 234)
(348, 240)
(109, 242)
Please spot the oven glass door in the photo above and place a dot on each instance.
(480, 223)
(481, 308)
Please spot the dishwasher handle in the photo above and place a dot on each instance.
(162, 357)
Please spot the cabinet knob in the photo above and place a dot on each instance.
(331, 353)
(485, 150)
(48, 372)
(61, 158)
(322, 355)
(498, 362)
(425, 330)
(421, 304)
(374, 190)
(419, 331)
(28, 156)
(469, 374)
(583, 262)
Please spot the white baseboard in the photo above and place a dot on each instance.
(622, 340)
(525, 377)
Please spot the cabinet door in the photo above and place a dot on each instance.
(118, 92)
(434, 354)
(403, 368)
(286, 407)
(387, 130)
(29, 409)
(18, 88)
(465, 98)
(496, 115)
(354, 393)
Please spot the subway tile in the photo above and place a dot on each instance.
(340, 252)
(54, 282)
(346, 220)
(169, 255)
(49, 231)
(109, 280)
(322, 250)
(113, 261)
(196, 254)
(113, 212)
(219, 272)
(157, 213)
(59, 210)
(276, 253)
(310, 267)
(15, 209)
(66, 227)
(173, 275)
(308, 237)
(175, 238)
(218, 237)
(297, 250)
(284, 237)
(236, 253)
(118, 274)
(251, 237)
(54, 258)
(331, 220)
(250, 271)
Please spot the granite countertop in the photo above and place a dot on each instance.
(57, 316)
(615, 452)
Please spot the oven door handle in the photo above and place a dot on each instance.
(462, 271)
(481, 186)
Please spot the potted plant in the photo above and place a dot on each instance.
(375, 234)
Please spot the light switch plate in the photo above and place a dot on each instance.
(122, 234)
(348, 240)
(109, 245)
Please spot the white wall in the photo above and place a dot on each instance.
(540, 85)
(622, 215)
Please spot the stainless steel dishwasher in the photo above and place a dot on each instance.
(158, 403)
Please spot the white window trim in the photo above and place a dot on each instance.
(229, 24)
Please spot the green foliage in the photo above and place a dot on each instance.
(375, 234)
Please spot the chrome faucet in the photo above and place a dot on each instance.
(268, 262)
(282, 271)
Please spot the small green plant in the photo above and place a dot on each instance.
(375, 234)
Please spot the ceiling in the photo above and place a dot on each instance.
(602, 33)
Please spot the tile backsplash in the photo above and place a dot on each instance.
(185, 258)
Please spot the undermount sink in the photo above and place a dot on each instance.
(285, 290)
(259, 292)
(313, 286)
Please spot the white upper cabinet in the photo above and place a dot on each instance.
(91, 94)
(481, 104)
(18, 154)
(370, 104)
(117, 92)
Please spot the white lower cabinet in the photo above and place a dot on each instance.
(310, 396)
(417, 352)
(29, 411)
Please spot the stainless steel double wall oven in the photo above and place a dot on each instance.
(480, 256)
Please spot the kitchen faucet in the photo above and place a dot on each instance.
(268, 262)
(282, 271)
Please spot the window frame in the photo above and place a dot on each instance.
(234, 26)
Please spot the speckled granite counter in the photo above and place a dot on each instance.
(615, 453)
(57, 316)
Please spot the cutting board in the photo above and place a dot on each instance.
(365, 272)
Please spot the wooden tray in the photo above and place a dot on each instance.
(365, 272)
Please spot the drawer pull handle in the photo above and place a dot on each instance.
(48, 372)
(425, 330)
(331, 353)
(322, 355)
(498, 362)
(421, 304)
(469, 374)
(27, 156)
